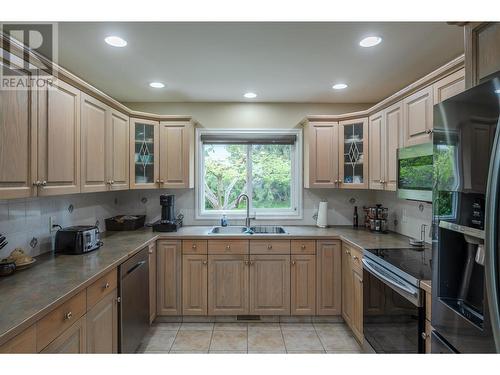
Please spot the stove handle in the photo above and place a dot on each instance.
(390, 281)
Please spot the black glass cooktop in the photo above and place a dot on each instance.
(412, 261)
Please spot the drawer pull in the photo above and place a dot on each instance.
(247, 263)
(293, 263)
(194, 246)
(106, 286)
(303, 247)
(68, 315)
(228, 247)
(355, 257)
(424, 335)
(205, 262)
(269, 247)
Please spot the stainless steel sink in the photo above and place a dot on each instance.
(229, 230)
(268, 229)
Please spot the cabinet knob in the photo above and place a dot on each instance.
(429, 131)
(194, 246)
(303, 247)
(205, 262)
(355, 257)
(228, 247)
(251, 262)
(247, 263)
(44, 183)
(293, 263)
(106, 286)
(68, 315)
(424, 335)
(112, 182)
(36, 183)
(150, 251)
(348, 252)
(269, 247)
(158, 181)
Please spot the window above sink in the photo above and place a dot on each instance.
(265, 164)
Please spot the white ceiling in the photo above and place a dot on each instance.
(281, 62)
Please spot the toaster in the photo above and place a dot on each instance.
(78, 239)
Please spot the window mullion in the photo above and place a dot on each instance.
(249, 178)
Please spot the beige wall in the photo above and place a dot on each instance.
(246, 115)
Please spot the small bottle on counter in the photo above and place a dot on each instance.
(223, 221)
(355, 217)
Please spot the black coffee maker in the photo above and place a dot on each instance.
(168, 221)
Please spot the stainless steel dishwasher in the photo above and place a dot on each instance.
(134, 301)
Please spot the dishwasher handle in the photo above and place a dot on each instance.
(135, 266)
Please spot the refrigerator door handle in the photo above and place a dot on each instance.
(491, 240)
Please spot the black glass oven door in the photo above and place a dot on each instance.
(391, 324)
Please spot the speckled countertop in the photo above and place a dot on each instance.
(28, 295)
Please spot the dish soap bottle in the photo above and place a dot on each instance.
(223, 221)
(355, 217)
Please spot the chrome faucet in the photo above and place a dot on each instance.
(240, 197)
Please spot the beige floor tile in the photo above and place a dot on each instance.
(230, 326)
(228, 352)
(264, 326)
(332, 327)
(160, 341)
(301, 340)
(281, 351)
(192, 341)
(197, 326)
(229, 340)
(297, 326)
(188, 352)
(306, 352)
(166, 326)
(344, 351)
(334, 341)
(265, 340)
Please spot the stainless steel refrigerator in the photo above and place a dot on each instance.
(465, 281)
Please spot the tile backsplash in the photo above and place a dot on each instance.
(21, 220)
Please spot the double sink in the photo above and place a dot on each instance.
(260, 229)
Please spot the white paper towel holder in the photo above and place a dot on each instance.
(322, 219)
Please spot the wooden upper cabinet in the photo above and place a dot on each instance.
(168, 273)
(176, 154)
(353, 154)
(392, 140)
(117, 150)
(228, 284)
(377, 151)
(303, 285)
(144, 154)
(18, 134)
(102, 326)
(269, 284)
(94, 118)
(482, 51)
(449, 86)
(59, 139)
(328, 278)
(194, 284)
(417, 117)
(321, 162)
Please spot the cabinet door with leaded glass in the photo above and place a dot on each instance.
(144, 154)
(353, 153)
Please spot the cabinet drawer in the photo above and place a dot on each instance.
(60, 319)
(270, 247)
(194, 247)
(227, 247)
(303, 247)
(101, 288)
(356, 257)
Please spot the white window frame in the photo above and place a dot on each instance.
(295, 213)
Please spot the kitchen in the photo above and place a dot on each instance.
(180, 212)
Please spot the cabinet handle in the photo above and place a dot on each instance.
(348, 252)
(68, 315)
(429, 131)
(247, 263)
(158, 181)
(424, 335)
(44, 183)
(251, 262)
(112, 182)
(269, 247)
(303, 247)
(194, 246)
(106, 286)
(293, 263)
(228, 247)
(37, 183)
(355, 257)
(205, 262)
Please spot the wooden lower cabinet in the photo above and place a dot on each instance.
(303, 285)
(24, 343)
(152, 281)
(194, 284)
(71, 341)
(270, 285)
(169, 259)
(352, 290)
(102, 326)
(228, 284)
(328, 278)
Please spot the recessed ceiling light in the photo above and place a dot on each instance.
(339, 86)
(370, 41)
(157, 85)
(250, 95)
(115, 41)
